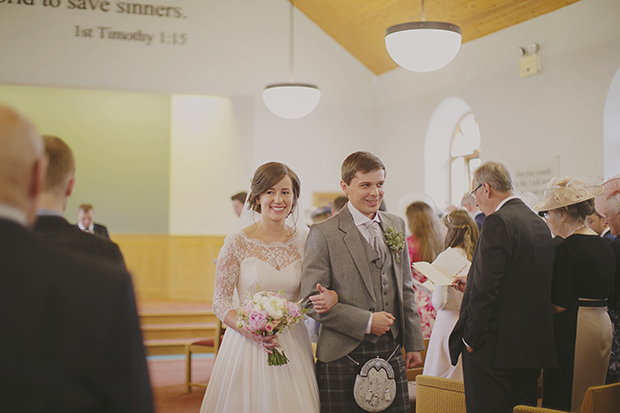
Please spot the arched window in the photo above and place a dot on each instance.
(464, 157)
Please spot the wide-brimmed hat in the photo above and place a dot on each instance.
(610, 187)
(567, 191)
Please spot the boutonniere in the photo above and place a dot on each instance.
(395, 240)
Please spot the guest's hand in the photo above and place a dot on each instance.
(413, 359)
(381, 323)
(460, 282)
(325, 300)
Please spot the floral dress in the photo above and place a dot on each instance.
(422, 296)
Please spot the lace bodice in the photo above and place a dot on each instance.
(243, 262)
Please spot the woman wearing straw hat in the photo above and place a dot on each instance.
(582, 283)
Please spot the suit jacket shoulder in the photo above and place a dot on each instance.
(60, 232)
(70, 319)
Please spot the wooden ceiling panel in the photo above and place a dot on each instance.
(359, 25)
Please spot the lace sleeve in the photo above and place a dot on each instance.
(226, 276)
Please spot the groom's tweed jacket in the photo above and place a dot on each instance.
(336, 256)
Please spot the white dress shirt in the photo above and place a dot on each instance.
(13, 214)
(360, 221)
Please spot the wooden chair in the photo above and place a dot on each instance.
(212, 343)
(598, 399)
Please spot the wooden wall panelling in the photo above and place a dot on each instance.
(146, 259)
(191, 267)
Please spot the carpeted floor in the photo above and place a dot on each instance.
(168, 381)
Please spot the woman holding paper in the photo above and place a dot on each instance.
(462, 236)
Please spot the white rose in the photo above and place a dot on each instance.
(260, 298)
(274, 307)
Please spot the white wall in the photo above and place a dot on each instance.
(236, 47)
(558, 112)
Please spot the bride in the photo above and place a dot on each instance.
(266, 253)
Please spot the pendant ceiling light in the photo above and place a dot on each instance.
(291, 100)
(423, 46)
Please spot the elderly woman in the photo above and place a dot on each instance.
(582, 283)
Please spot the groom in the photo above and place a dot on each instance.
(376, 310)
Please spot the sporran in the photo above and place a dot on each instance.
(375, 385)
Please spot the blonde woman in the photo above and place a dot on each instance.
(462, 236)
(424, 244)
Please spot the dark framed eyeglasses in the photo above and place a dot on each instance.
(544, 214)
(473, 193)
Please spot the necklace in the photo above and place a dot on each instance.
(575, 230)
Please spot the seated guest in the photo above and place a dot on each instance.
(462, 236)
(52, 201)
(86, 221)
(608, 205)
(338, 203)
(67, 324)
(238, 200)
(469, 203)
(583, 276)
(598, 224)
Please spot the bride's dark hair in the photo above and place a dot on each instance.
(267, 176)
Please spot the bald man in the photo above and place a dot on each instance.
(52, 201)
(67, 325)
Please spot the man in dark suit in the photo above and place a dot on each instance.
(376, 310)
(57, 187)
(86, 221)
(598, 224)
(67, 325)
(505, 331)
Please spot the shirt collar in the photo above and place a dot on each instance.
(13, 214)
(501, 204)
(48, 212)
(92, 226)
(605, 231)
(359, 218)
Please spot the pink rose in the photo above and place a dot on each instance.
(293, 309)
(258, 320)
(249, 305)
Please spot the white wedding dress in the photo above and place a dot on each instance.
(241, 380)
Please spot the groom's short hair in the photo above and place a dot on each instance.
(359, 161)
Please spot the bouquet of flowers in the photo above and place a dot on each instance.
(267, 313)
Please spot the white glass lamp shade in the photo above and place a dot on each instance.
(423, 46)
(291, 100)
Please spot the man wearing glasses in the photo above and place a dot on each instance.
(505, 331)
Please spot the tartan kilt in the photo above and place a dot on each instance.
(336, 379)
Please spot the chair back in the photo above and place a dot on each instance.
(436, 394)
(602, 399)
